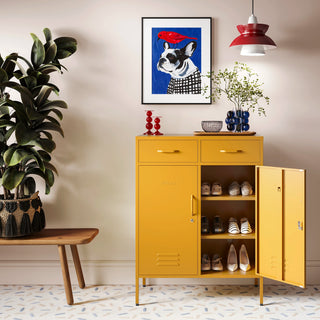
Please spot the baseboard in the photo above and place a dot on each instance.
(26, 272)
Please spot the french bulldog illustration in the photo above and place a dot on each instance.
(185, 76)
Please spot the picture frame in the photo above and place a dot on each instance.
(176, 55)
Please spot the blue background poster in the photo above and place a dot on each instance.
(160, 80)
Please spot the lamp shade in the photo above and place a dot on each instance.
(252, 39)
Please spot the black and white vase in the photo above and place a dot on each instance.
(21, 217)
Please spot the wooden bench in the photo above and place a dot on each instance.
(61, 238)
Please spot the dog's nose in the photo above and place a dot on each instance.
(162, 60)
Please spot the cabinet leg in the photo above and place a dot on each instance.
(261, 291)
(65, 273)
(144, 282)
(77, 265)
(256, 282)
(137, 290)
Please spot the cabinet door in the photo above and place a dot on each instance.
(167, 220)
(281, 224)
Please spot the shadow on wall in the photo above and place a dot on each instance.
(303, 36)
(94, 161)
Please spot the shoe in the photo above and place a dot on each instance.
(205, 228)
(245, 226)
(233, 226)
(217, 225)
(234, 189)
(205, 189)
(216, 189)
(205, 263)
(246, 189)
(217, 263)
(232, 262)
(244, 259)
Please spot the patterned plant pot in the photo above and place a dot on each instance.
(21, 217)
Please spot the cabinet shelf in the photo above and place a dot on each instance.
(228, 236)
(228, 198)
(228, 274)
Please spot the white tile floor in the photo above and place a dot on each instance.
(160, 302)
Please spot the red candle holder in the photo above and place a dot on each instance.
(149, 125)
(157, 126)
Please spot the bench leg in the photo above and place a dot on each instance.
(77, 265)
(144, 283)
(65, 274)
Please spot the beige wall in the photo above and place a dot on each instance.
(96, 158)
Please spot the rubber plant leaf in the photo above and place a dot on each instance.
(37, 52)
(12, 177)
(51, 52)
(47, 34)
(49, 126)
(24, 134)
(66, 47)
(3, 75)
(55, 103)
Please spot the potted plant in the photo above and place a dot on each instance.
(28, 117)
(243, 89)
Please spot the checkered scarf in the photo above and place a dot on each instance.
(190, 84)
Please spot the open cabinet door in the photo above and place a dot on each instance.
(280, 218)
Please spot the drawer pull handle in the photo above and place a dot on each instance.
(231, 151)
(168, 151)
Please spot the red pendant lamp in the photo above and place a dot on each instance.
(252, 39)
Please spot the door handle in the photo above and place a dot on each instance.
(300, 225)
(231, 151)
(168, 151)
(192, 212)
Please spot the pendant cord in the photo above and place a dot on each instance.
(252, 7)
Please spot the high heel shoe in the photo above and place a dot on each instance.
(232, 262)
(244, 259)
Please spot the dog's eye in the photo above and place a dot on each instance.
(172, 58)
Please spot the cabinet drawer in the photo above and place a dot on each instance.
(167, 151)
(232, 151)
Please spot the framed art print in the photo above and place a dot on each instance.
(176, 55)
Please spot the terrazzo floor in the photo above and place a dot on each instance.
(160, 302)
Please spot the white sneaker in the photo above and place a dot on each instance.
(217, 263)
(232, 263)
(233, 226)
(244, 259)
(205, 189)
(205, 262)
(246, 189)
(245, 226)
(216, 189)
(234, 189)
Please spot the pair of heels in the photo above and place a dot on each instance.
(245, 189)
(232, 262)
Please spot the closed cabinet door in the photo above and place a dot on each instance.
(281, 224)
(167, 220)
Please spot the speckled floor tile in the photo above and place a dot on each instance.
(172, 302)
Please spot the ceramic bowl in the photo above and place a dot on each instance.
(211, 126)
